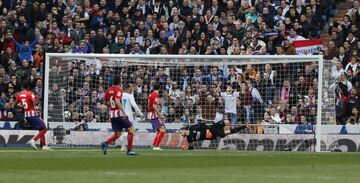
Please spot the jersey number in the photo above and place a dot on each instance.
(124, 103)
(112, 102)
(24, 103)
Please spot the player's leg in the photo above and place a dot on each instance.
(155, 139)
(160, 129)
(43, 140)
(216, 130)
(124, 135)
(43, 128)
(123, 141)
(111, 139)
(161, 134)
(237, 129)
(116, 126)
(154, 124)
(190, 142)
(130, 140)
(38, 124)
(115, 136)
(130, 137)
(227, 130)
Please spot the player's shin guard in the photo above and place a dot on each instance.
(112, 139)
(159, 138)
(40, 135)
(130, 138)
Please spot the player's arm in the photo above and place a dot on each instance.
(17, 100)
(156, 109)
(135, 106)
(189, 141)
(119, 105)
(33, 99)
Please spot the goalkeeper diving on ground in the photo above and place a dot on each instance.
(202, 131)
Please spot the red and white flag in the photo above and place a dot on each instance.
(307, 47)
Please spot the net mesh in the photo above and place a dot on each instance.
(263, 92)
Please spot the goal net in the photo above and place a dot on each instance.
(282, 98)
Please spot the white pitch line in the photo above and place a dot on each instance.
(54, 150)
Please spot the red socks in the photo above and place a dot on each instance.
(130, 138)
(112, 139)
(155, 139)
(40, 135)
(159, 137)
(43, 142)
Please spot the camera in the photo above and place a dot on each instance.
(59, 133)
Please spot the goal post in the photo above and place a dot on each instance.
(195, 87)
(319, 105)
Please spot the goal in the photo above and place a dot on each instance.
(280, 97)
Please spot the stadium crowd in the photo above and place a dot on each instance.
(269, 93)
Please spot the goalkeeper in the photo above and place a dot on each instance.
(201, 131)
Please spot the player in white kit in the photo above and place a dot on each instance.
(129, 103)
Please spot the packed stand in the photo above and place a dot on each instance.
(344, 50)
(28, 29)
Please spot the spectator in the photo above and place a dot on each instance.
(7, 57)
(83, 47)
(246, 101)
(99, 41)
(137, 49)
(184, 27)
(229, 98)
(25, 50)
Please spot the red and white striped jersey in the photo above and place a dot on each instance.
(26, 99)
(111, 94)
(152, 100)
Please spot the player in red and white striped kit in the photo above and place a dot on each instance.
(118, 117)
(153, 116)
(26, 99)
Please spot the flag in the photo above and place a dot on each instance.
(307, 47)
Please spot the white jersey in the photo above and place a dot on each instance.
(128, 102)
(230, 101)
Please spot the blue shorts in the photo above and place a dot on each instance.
(36, 122)
(156, 124)
(120, 123)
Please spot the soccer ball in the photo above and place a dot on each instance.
(67, 114)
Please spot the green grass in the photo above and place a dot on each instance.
(175, 166)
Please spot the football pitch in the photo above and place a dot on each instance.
(175, 166)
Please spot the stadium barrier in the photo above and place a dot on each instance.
(245, 142)
(173, 127)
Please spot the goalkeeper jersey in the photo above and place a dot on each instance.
(197, 132)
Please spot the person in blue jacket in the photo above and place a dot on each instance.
(304, 127)
(25, 50)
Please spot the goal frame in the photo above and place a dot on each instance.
(284, 58)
